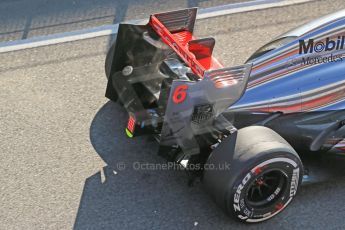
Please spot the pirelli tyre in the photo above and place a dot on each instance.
(254, 176)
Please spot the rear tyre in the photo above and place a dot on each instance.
(263, 178)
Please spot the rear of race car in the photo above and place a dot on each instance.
(169, 82)
(174, 88)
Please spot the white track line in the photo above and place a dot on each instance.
(245, 7)
(112, 29)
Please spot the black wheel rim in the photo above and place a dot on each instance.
(266, 188)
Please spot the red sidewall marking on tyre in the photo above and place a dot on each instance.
(292, 180)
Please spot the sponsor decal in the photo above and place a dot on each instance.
(237, 195)
(320, 60)
(310, 46)
(321, 51)
(294, 182)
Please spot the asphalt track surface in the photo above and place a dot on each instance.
(66, 162)
(21, 19)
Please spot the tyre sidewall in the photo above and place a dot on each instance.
(287, 162)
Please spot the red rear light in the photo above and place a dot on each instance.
(131, 124)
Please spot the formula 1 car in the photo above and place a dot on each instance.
(247, 126)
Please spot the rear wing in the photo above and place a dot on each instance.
(176, 30)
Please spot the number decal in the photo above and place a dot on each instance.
(180, 94)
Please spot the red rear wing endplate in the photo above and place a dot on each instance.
(176, 30)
